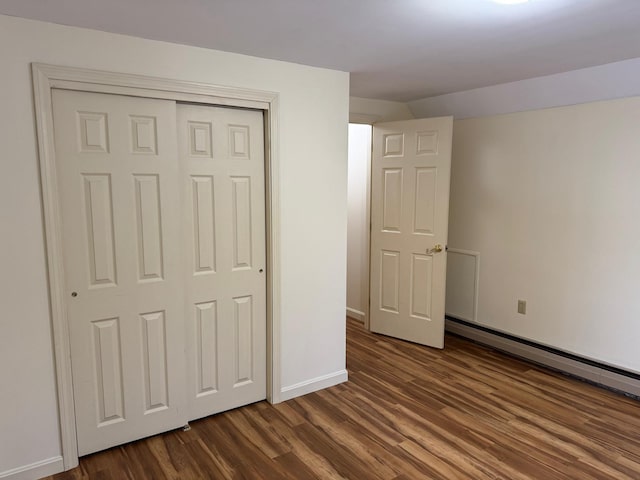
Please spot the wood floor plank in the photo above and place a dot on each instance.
(294, 464)
(407, 412)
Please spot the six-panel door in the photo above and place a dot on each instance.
(222, 153)
(409, 217)
(116, 169)
(163, 254)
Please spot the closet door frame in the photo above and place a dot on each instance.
(48, 77)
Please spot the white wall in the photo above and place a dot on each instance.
(313, 160)
(541, 181)
(358, 220)
(614, 80)
(550, 200)
(369, 110)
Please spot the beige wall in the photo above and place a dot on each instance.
(313, 193)
(550, 200)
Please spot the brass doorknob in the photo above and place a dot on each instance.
(437, 248)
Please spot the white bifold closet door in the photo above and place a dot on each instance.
(164, 246)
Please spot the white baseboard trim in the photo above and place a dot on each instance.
(355, 314)
(313, 385)
(33, 471)
(591, 373)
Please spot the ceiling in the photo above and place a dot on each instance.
(395, 49)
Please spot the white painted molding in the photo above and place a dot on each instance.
(592, 373)
(314, 384)
(47, 77)
(36, 470)
(356, 314)
(272, 149)
(42, 80)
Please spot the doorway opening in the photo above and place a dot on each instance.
(358, 179)
(398, 201)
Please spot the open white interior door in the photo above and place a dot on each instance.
(410, 172)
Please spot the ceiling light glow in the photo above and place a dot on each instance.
(509, 2)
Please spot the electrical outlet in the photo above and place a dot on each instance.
(522, 307)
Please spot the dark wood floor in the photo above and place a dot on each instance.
(407, 412)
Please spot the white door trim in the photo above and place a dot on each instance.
(47, 77)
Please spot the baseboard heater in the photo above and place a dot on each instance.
(620, 380)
